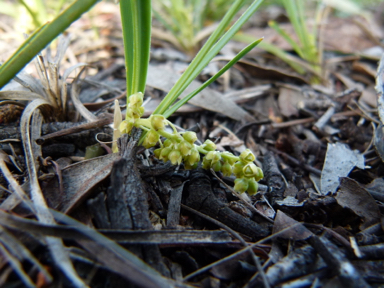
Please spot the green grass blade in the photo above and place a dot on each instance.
(306, 41)
(208, 51)
(280, 53)
(41, 38)
(292, 11)
(288, 38)
(296, 14)
(136, 22)
(186, 77)
(184, 100)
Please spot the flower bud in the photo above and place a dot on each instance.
(126, 126)
(241, 185)
(214, 156)
(247, 156)
(185, 148)
(216, 166)
(164, 153)
(136, 113)
(151, 139)
(226, 169)
(238, 169)
(206, 163)
(175, 157)
(158, 122)
(193, 157)
(157, 152)
(136, 100)
(253, 186)
(259, 174)
(188, 166)
(141, 111)
(209, 145)
(128, 114)
(250, 170)
(168, 143)
(190, 137)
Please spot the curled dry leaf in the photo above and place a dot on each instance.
(78, 180)
(294, 230)
(55, 245)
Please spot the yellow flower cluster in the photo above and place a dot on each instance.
(181, 148)
(247, 173)
(134, 112)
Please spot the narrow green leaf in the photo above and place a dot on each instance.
(185, 99)
(136, 22)
(41, 38)
(294, 62)
(208, 51)
(288, 38)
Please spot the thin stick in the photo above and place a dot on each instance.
(236, 235)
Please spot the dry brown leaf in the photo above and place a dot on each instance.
(351, 195)
(288, 100)
(271, 72)
(297, 232)
(78, 179)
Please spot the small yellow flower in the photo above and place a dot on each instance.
(136, 99)
(241, 185)
(158, 122)
(247, 156)
(226, 169)
(214, 156)
(126, 126)
(151, 139)
(250, 170)
(190, 137)
(185, 148)
(164, 153)
(175, 157)
(209, 145)
(253, 186)
(238, 169)
(193, 158)
(217, 166)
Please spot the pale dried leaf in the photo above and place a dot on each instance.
(17, 267)
(77, 103)
(31, 83)
(288, 100)
(18, 249)
(369, 96)
(19, 95)
(339, 161)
